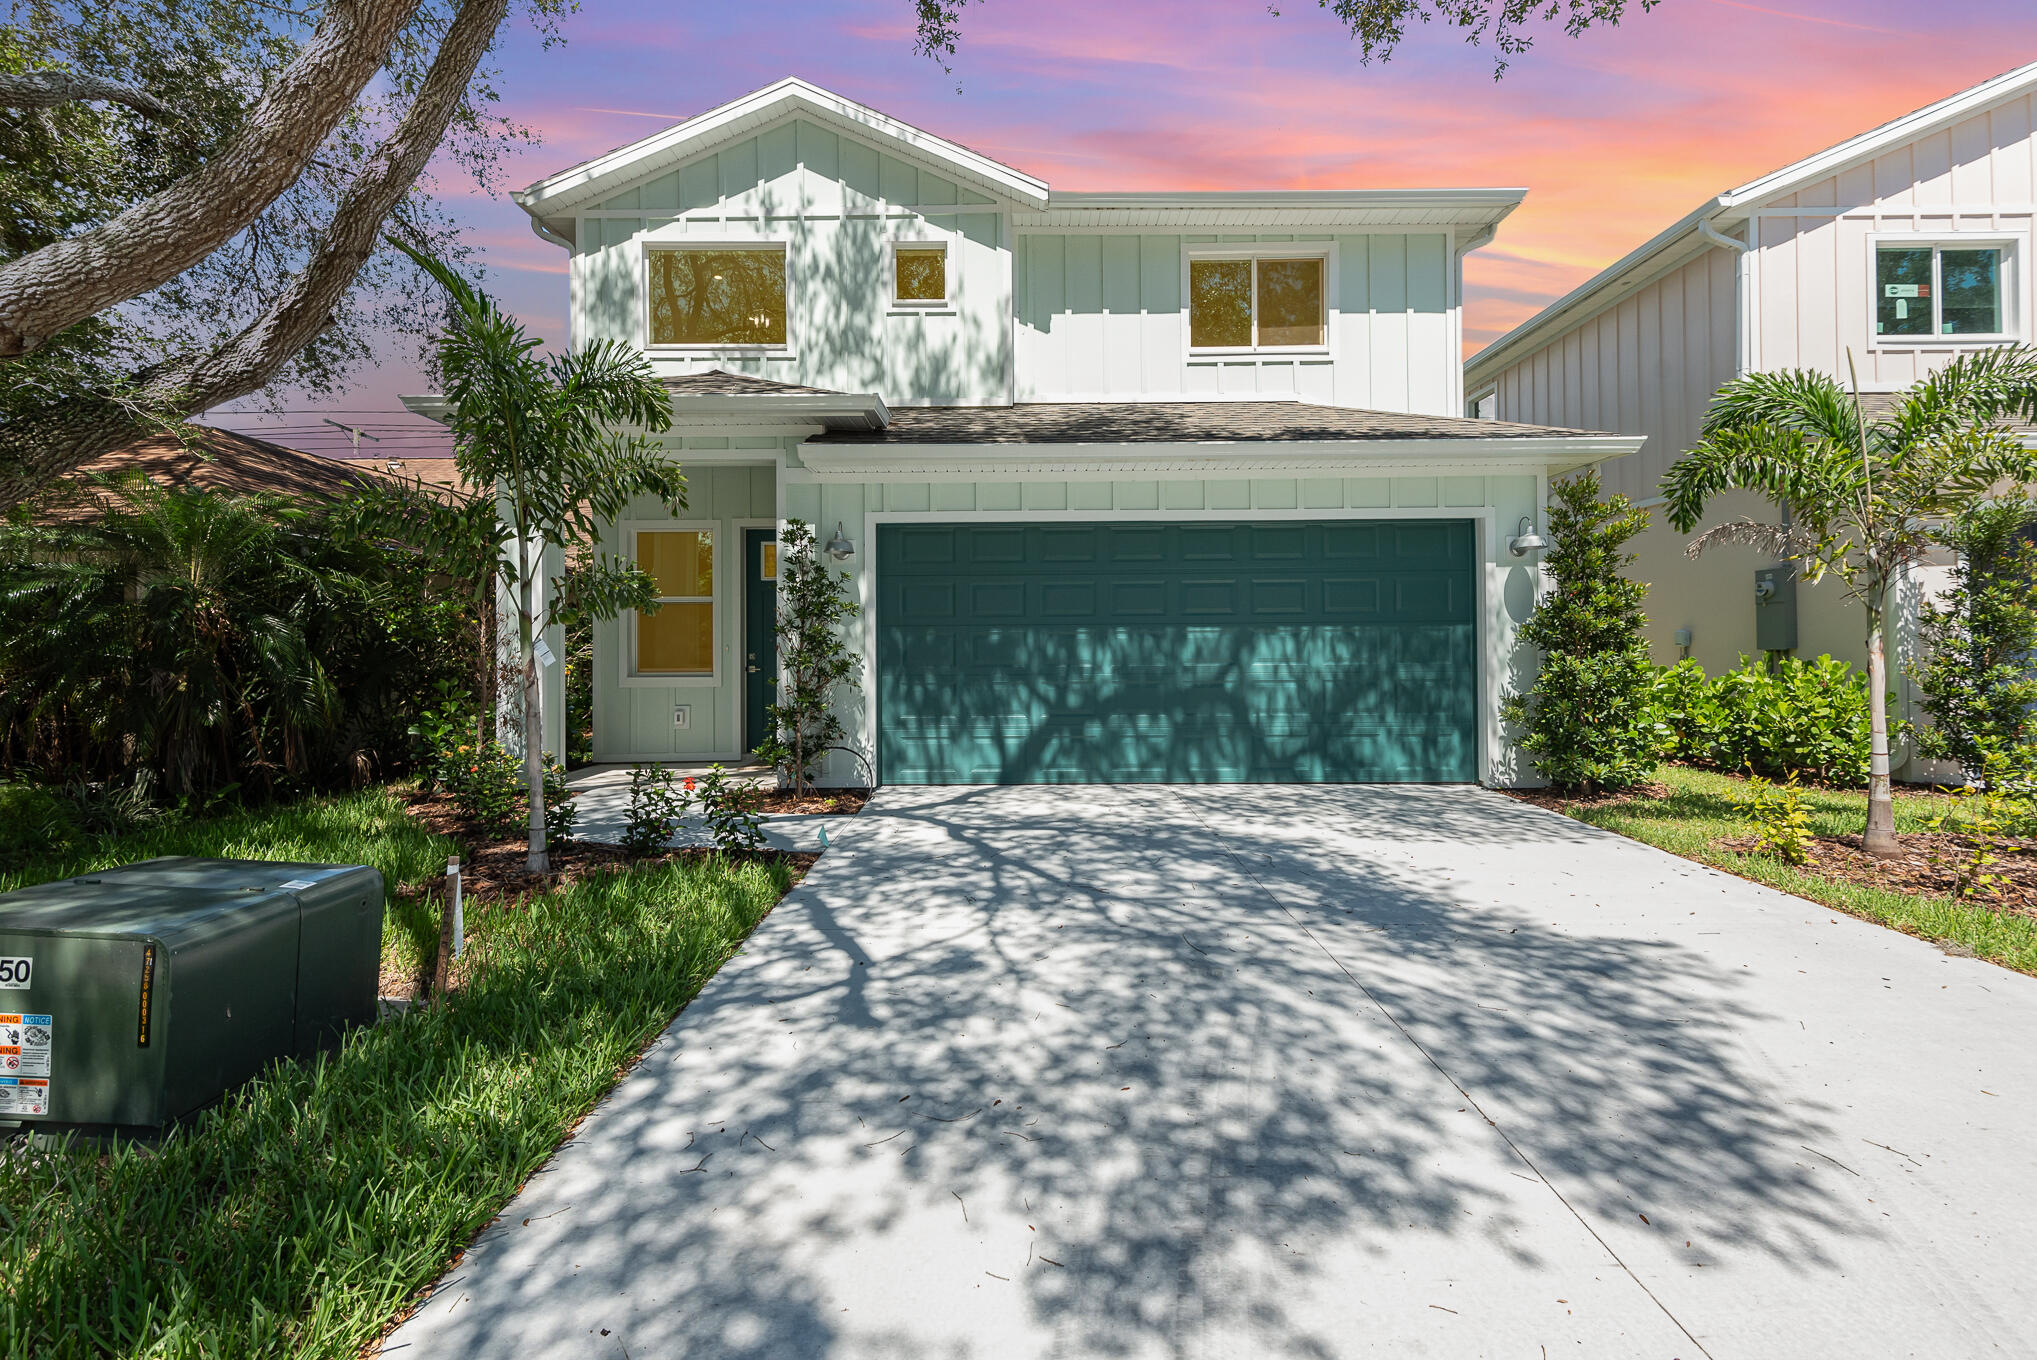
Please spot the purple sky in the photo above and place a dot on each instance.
(1615, 135)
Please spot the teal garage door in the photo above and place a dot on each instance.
(1340, 651)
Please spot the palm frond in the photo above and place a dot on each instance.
(1809, 403)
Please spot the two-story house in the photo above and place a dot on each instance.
(1883, 257)
(1146, 486)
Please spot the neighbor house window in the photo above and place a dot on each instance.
(1485, 406)
(919, 274)
(1938, 290)
(1266, 303)
(679, 638)
(718, 296)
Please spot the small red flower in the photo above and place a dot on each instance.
(689, 785)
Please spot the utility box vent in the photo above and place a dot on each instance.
(151, 990)
(1775, 608)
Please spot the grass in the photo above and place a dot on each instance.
(300, 1215)
(1699, 811)
(370, 826)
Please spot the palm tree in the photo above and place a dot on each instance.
(1861, 497)
(549, 435)
(170, 629)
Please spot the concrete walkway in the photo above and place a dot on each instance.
(603, 804)
(1248, 1072)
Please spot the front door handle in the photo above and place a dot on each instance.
(755, 669)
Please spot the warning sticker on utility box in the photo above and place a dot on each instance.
(25, 1064)
(25, 1045)
(24, 1095)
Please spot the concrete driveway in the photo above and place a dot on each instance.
(1242, 1072)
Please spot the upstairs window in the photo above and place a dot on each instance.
(718, 295)
(1257, 303)
(919, 275)
(1939, 289)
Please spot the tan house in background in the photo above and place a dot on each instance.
(1902, 248)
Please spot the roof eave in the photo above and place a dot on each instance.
(847, 411)
(1551, 455)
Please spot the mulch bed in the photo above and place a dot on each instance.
(1564, 802)
(781, 802)
(1928, 863)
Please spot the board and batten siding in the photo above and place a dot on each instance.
(633, 717)
(1646, 366)
(1507, 584)
(1102, 317)
(838, 205)
(1813, 271)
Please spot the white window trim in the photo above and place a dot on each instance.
(1326, 251)
(652, 243)
(1472, 404)
(893, 302)
(2013, 311)
(626, 669)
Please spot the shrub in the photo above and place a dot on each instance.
(560, 814)
(813, 604)
(730, 823)
(1801, 717)
(1686, 713)
(1587, 720)
(1804, 718)
(1782, 824)
(1976, 678)
(486, 782)
(656, 806)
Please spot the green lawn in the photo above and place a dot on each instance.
(300, 1215)
(1699, 810)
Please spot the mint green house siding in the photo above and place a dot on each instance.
(1102, 317)
(839, 206)
(633, 714)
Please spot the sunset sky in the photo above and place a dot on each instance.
(1614, 135)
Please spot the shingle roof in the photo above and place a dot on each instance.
(717, 382)
(1170, 422)
(225, 461)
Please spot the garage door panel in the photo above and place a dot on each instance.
(1110, 654)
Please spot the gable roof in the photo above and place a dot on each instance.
(1695, 232)
(559, 195)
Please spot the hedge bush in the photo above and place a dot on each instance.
(1804, 717)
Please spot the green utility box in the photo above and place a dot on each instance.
(131, 996)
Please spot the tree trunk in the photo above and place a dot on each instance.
(1881, 808)
(40, 446)
(159, 238)
(538, 862)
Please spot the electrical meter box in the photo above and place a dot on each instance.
(1775, 608)
(131, 996)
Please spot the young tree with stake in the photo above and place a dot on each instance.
(544, 433)
(1862, 496)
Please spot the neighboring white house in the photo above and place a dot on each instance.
(1130, 486)
(1889, 254)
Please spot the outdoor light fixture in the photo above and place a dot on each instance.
(1525, 539)
(839, 546)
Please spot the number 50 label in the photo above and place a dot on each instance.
(14, 973)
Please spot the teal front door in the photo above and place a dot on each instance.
(1336, 651)
(760, 632)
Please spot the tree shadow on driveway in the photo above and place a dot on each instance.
(1145, 1071)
